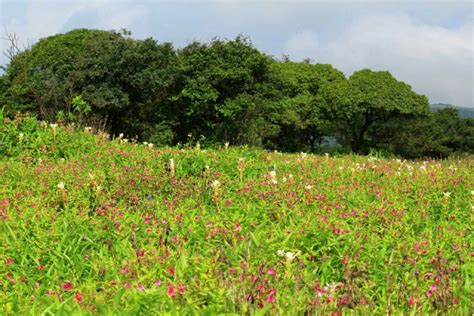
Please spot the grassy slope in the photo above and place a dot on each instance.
(126, 235)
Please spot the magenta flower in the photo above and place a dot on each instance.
(171, 291)
(67, 286)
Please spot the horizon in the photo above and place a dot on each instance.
(436, 58)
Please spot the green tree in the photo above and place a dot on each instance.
(365, 99)
(125, 81)
(301, 124)
(436, 134)
(224, 93)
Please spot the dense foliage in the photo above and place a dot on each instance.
(92, 225)
(221, 91)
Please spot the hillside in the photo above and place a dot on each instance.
(90, 224)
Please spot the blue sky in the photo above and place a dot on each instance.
(428, 44)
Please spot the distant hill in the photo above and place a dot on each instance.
(463, 112)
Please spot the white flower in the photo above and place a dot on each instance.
(226, 145)
(215, 184)
(308, 187)
(61, 185)
(20, 137)
(281, 253)
(120, 136)
(88, 129)
(272, 174)
(274, 181)
(447, 194)
(290, 256)
(53, 126)
(150, 145)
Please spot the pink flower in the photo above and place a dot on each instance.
(429, 293)
(67, 286)
(124, 270)
(9, 261)
(433, 288)
(78, 297)
(141, 288)
(411, 301)
(271, 296)
(344, 260)
(171, 270)
(171, 291)
(157, 282)
(271, 271)
(181, 289)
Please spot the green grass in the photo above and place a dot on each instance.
(91, 225)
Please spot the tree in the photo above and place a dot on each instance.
(436, 134)
(365, 99)
(125, 81)
(224, 92)
(300, 121)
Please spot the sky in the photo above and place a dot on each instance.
(427, 44)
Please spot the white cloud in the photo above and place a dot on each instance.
(436, 61)
(44, 18)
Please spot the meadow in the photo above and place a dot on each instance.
(93, 225)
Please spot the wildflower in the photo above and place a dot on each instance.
(226, 145)
(271, 296)
(141, 288)
(53, 126)
(272, 174)
(215, 184)
(344, 260)
(78, 297)
(171, 270)
(67, 286)
(271, 271)
(447, 194)
(61, 185)
(151, 145)
(120, 136)
(290, 256)
(172, 170)
(308, 187)
(171, 291)
(157, 282)
(88, 129)
(181, 289)
(281, 253)
(20, 137)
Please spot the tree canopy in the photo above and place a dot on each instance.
(222, 91)
(365, 99)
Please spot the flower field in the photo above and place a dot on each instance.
(92, 225)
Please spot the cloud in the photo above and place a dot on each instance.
(36, 19)
(436, 61)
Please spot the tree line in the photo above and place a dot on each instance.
(223, 91)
